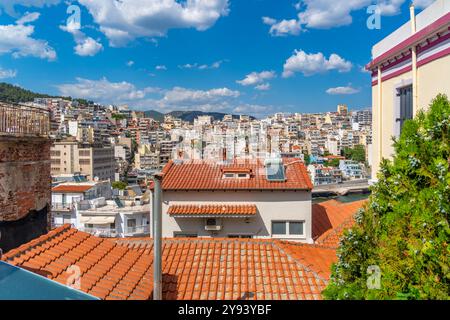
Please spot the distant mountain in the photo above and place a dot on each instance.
(187, 115)
(158, 116)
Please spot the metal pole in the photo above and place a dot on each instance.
(157, 239)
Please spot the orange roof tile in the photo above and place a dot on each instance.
(219, 209)
(208, 175)
(331, 218)
(71, 188)
(192, 268)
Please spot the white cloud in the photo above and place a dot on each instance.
(284, 27)
(177, 98)
(214, 65)
(342, 90)
(130, 63)
(124, 21)
(9, 5)
(423, 3)
(255, 78)
(17, 40)
(326, 14)
(313, 63)
(85, 46)
(179, 95)
(263, 87)
(28, 17)
(161, 67)
(7, 73)
(103, 91)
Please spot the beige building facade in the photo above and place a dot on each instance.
(409, 69)
(72, 157)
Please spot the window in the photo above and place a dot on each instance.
(296, 228)
(211, 222)
(288, 228)
(278, 227)
(184, 235)
(228, 175)
(131, 223)
(240, 236)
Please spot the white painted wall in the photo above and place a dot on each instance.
(272, 206)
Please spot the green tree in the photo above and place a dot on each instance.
(307, 159)
(332, 163)
(404, 229)
(119, 185)
(357, 153)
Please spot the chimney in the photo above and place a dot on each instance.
(413, 17)
(157, 238)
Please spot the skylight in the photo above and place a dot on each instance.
(275, 170)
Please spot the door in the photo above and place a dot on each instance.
(406, 105)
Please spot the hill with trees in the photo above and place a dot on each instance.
(399, 246)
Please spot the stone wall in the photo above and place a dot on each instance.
(25, 183)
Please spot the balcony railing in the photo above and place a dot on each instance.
(141, 230)
(18, 120)
(101, 232)
(63, 206)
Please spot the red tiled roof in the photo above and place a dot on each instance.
(66, 188)
(192, 268)
(208, 209)
(331, 218)
(208, 175)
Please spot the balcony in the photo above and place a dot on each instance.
(63, 207)
(101, 232)
(137, 231)
(24, 121)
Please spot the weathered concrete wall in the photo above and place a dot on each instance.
(25, 184)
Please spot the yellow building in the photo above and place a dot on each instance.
(409, 68)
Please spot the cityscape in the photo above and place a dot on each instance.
(116, 191)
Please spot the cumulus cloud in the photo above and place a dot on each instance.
(326, 14)
(17, 39)
(342, 90)
(263, 87)
(9, 5)
(130, 63)
(179, 95)
(124, 21)
(103, 90)
(255, 78)
(85, 46)
(284, 27)
(177, 98)
(256, 110)
(314, 63)
(7, 73)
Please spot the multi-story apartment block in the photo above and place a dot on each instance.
(69, 156)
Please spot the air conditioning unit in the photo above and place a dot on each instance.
(213, 225)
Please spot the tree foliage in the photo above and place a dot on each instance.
(357, 153)
(404, 229)
(119, 185)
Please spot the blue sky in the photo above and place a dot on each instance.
(242, 56)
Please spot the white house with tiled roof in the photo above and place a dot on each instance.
(237, 199)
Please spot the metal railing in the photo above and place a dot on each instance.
(143, 230)
(63, 206)
(19, 120)
(101, 232)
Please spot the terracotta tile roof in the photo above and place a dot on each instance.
(192, 268)
(71, 188)
(219, 209)
(331, 218)
(208, 175)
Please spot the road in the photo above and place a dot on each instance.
(342, 188)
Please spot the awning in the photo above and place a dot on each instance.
(97, 220)
(218, 210)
